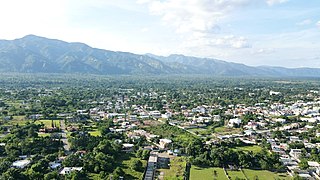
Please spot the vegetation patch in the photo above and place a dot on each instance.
(126, 165)
(177, 169)
(236, 175)
(198, 173)
(255, 149)
(265, 175)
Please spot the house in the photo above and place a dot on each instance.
(127, 147)
(164, 143)
(155, 114)
(249, 132)
(54, 165)
(294, 139)
(295, 153)
(234, 122)
(272, 93)
(68, 170)
(21, 163)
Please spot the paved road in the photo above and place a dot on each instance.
(64, 139)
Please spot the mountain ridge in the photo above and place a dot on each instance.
(35, 54)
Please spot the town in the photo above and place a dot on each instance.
(93, 127)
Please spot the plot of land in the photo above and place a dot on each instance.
(93, 130)
(236, 175)
(48, 123)
(198, 173)
(177, 168)
(265, 175)
(125, 164)
(226, 130)
(254, 149)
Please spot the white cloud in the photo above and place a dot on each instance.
(273, 2)
(318, 24)
(197, 21)
(145, 29)
(232, 41)
(304, 22)
(193, 15)
(264, 51)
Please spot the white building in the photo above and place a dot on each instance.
(164, 143)
(68, 170)
(21, 163)
(233, 122)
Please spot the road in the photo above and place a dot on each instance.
(64, 138)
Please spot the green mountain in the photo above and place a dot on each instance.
(34, 54)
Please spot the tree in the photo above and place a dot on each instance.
(136, 165)
(72, 161)
(117, 173)
(13, 174)
(303, 164)
(51, 176)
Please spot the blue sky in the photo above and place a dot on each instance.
(253, 32)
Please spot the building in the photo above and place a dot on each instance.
(151, 168)
(68, 170)
(234, 122)
(21, 163)
(164, 143)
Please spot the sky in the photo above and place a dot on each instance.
(253, 32)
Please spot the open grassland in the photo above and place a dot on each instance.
(48, 123)
(198, 173)
(236, 175)
(254, 149)
(265, 175)
(225, 130)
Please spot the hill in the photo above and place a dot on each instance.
(34, 54)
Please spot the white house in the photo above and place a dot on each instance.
(233, 122)
(164, 143)
(68, 170)
(21, 163)
(295, 153)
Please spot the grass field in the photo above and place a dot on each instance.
(43, 134)
(265, 175)
(47, 122)
(177, 168)
(254, 149)
(197, 173)
(20, 120)
(226, 130)
(95, 133)
(236, 174)
(93, 130)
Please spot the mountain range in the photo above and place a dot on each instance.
(34, 54)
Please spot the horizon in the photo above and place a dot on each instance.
(284, 33)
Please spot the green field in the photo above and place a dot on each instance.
(177, 168)
(43, 134)
(95, 133)
(265, 175)
(226, 130)
(236, 174)
(20, 120)
(93, 130)
(254, 149)
(47, 122)
(197, 173)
